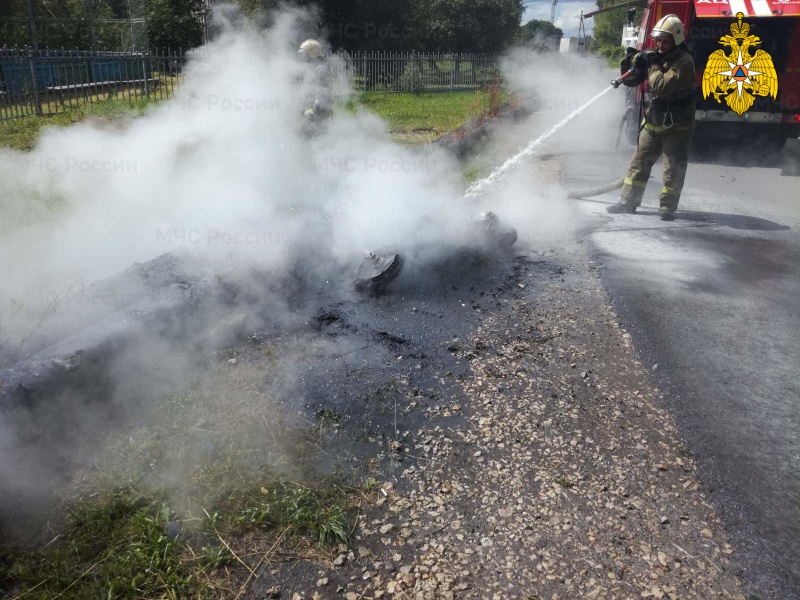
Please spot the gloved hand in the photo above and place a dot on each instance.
(643, 60)
(639, 64)
(625, 63)
(308, 113)
(651, 57)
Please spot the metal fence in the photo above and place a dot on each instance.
(51, 82)
(410, 72)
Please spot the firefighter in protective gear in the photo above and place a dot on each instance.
(317, 98)
(668, 121)
(310, 50)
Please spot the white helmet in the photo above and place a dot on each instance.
(671, 25)
(310, 49)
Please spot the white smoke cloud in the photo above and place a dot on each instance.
(556, 86)
(220, 173)
(559, 84)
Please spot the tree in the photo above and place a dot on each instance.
(14, 29)
(361, 24)
(59, 23)
(608, 30)
(174, 24)
(252, 8)
(541, 36)
(465, 25)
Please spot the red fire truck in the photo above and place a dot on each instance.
(769, 121)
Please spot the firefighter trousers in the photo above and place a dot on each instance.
(673, 144)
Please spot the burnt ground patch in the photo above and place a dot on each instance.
(156, 326)
(367, 370)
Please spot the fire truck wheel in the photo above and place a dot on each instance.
(766, 144)
(775, 143)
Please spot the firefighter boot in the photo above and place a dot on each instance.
(621, 207)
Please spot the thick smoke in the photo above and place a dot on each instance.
(220, 179)
(554, 86)
(219, 171)
(557, 84)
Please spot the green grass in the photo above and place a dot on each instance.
(434, 114)
(115, 547)
(475, 172)
(420, 116)
(213, 477)
(125, 543)
(22, 133)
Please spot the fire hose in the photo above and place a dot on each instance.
(618, 183)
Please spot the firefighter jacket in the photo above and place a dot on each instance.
(317, 89)
(671, 82)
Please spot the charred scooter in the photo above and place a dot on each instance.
(484, 233)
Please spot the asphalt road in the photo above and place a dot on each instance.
(713, 303)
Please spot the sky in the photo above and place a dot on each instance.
(567, 14)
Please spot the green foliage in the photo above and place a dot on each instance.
(385, 25)
(422, 25)
(130, 543)
(465, 25)
(406, 25)
(317, 513)
(541, 36)
(613, 54)
(73, 31)
(173, 24)
(607, 31)
(361, 24)
(254, 7)
(114, 547)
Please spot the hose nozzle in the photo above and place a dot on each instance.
(621, 78)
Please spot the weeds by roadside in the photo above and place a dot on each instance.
(22, 133)
(211, 480)
(128, 543)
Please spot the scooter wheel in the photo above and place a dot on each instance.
(378, 270)
(507, 239)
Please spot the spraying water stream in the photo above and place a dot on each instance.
(481, 185)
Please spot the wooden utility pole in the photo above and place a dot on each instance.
(32, 25)
(92, 29)
(130, 25)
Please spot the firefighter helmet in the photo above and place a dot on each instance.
(310, 49)
(671, 25)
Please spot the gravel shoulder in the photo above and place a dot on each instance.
(556, 474)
